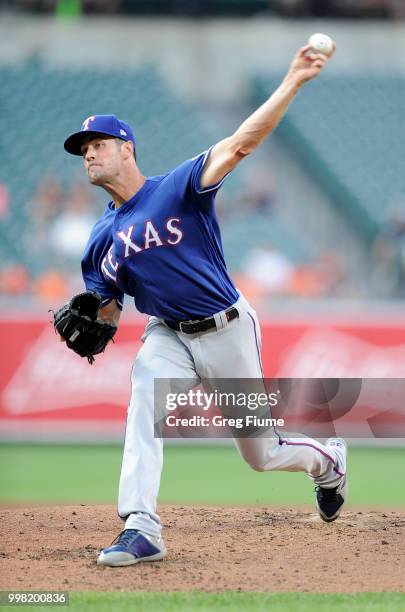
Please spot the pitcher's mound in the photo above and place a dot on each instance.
(209, 549)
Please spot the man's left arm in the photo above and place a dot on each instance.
(227, 153)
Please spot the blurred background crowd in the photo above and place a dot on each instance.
(318, 213)
(197, 8)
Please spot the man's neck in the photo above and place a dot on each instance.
(123, 189)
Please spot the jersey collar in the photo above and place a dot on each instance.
(131, 201)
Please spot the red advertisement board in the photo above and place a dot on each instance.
(48, 392)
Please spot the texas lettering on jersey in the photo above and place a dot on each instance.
(151, 237)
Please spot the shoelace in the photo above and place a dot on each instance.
(125, 537)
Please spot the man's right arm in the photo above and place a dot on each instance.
(227, 153)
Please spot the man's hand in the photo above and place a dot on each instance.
(306, 65)
(109, 313)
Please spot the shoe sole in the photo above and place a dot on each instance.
(111, 563)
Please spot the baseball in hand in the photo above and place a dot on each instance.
(321, 43)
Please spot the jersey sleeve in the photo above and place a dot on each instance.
(187, 178)
(93, 278)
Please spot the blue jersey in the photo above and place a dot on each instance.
(163, 247)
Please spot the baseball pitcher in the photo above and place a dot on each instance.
(159, 241)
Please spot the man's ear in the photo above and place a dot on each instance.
(127, 149)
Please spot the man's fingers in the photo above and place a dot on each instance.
(304, 50)
(318, 56)
(318, 64)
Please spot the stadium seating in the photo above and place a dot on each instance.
(349, 133)
(241, 234)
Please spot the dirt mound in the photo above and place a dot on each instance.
(210, 549)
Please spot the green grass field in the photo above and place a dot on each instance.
(230, 601)
(192, 475)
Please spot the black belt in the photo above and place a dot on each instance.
(201, 325)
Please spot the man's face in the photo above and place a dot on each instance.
(102, 158)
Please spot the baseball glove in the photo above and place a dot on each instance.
(77, 323)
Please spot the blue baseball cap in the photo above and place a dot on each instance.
(97, 125)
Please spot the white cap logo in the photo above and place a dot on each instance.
(86, 123)
(123, 132)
